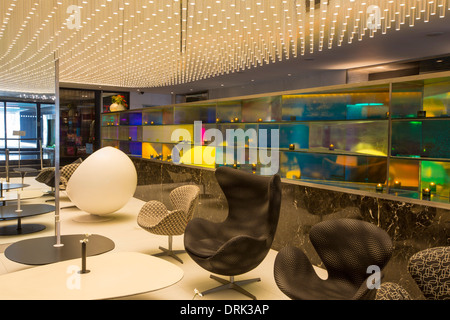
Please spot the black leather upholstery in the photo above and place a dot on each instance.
(241, 242)
(347, 247)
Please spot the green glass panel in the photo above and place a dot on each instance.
(424, 138)
(436, 100)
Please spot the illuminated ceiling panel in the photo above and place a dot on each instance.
(147, 44)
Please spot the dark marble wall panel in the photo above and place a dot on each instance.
(412, 227)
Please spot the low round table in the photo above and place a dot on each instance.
(40, 251)
(10, 186)
(24, 195)
(28, 210)
(111, 275)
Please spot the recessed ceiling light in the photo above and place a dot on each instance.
(439, 61)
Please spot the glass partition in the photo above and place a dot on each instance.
(427, 98)
(390, 138)
(342, 104)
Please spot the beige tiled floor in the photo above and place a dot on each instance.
(128, 236)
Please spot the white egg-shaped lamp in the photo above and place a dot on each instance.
(103, 183)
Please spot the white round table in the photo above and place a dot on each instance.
(111, 275)
(24, 195)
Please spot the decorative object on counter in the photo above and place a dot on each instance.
(254, 167)
(432, 187)
(103, 183)
(217, 120)
(342, 247)
(241, 242)
(331, 147)
(426, 192)
(84, 254)
(118, 103)
(421, 114)
(292, 146)
(397, 184)
(379, 187)
(260, 120)
(155, 218)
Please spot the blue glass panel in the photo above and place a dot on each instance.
(135, 119)
(136, 148)
(296, 134)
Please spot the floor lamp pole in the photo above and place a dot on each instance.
(57, 173)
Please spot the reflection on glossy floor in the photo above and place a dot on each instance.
(128, 236)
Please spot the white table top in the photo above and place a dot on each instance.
(24, 195)
(112, 275)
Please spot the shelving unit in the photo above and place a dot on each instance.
(349, 136)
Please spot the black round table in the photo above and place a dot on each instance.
(41, 251)
(10, 186)
(28, 210)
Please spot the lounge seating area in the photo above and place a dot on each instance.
(128, 236)
(238, 247)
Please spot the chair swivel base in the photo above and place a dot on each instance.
(231, 284)
(170, 253)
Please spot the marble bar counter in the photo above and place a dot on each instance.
(412, 226)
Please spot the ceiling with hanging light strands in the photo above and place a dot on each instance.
(161, 43)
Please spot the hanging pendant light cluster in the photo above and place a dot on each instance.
(155, 43)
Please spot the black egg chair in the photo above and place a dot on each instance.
(241, 242)
(350, 250)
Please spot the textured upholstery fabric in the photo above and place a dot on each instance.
(392, 291)
(243, 239)
(47, 175)
(430, 269)
(347, 247)
(157, 219)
